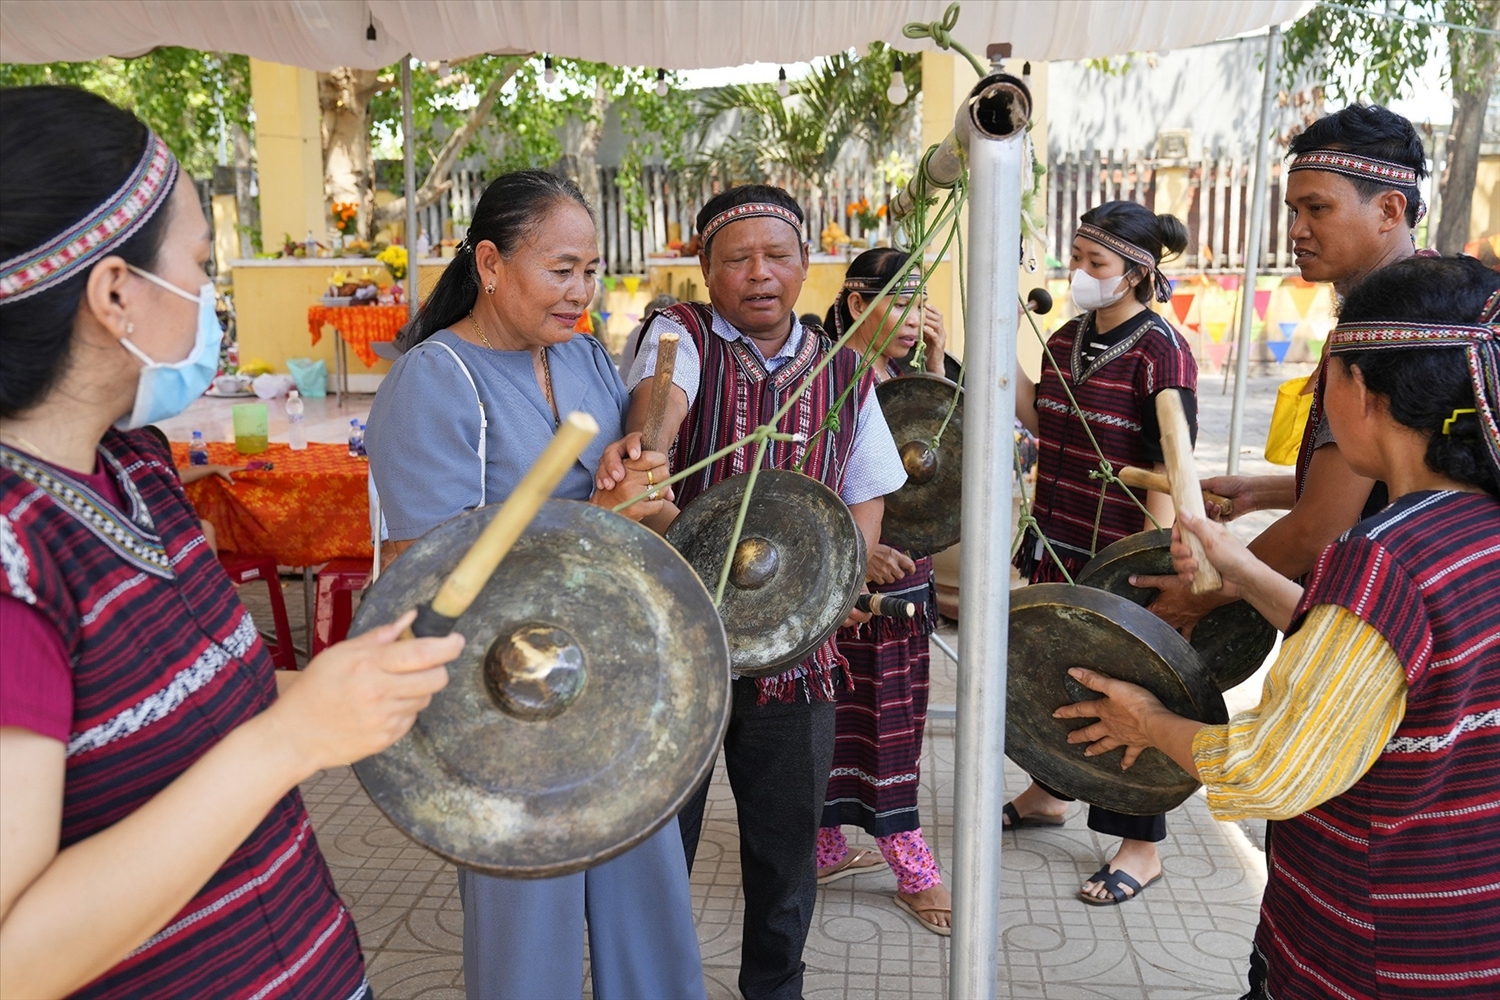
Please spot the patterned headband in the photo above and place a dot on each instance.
(1364, 168)
(910, 284)
(120, 217)
(1480, 342)
(754, 209)
(1131, 252)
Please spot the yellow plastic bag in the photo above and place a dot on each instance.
(1288, 421)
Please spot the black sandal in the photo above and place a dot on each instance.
(1017, 820)
(1115, 883)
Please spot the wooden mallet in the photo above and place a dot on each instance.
(478, 564)
(1145, 479)
(661, 392)
(1177, 449)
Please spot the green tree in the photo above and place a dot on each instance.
(193, 100)
(1374, 54)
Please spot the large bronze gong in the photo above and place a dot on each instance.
(590, 699)
(924, 515)
(1054, 627)
(795, 574)
(1234, 640)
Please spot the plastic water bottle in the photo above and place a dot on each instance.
(362, 452)
(356, 439)
(296, 430)
(197, 451)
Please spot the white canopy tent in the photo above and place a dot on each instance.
(673, 34)
(694, 34)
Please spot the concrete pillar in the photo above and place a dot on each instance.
(289, 153)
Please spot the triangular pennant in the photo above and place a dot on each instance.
(1181, 303)
(1216, 331)
(1229, 282)
(1302, 297)
(604, 315)
(1262, 302)
(609, 282)
(1279, 348)
(632, 283)
(1287, 329)
(1218, 353)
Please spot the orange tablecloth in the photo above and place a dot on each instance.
(310, 507)
(358, 325)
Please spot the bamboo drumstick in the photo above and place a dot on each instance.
(1177, 449)
(1145, 479)
(661, 392)
(478, 564)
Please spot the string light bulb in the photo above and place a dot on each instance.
(548, 73)
(661, 83)
(371, 37)
(782, 87)
(896, 93)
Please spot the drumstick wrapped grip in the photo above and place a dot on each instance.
(885, 605)
(1177, 450)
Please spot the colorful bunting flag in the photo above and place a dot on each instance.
(1279, 348)
(632, 283)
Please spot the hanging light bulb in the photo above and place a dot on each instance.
(371, 37)
(548, 73)
(896, 93)
(782, 87)
(661, 83)
(1026, 73)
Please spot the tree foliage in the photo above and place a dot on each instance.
(749, 133)
(190, 98)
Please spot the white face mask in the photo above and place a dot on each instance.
(1090, 293)
(166, 388)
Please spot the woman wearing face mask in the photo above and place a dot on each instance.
(1116, 358)
(878, 729)
(491, 363)
(154, 840)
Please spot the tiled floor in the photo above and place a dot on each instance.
(1186, 938)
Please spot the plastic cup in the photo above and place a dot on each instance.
(252, 431)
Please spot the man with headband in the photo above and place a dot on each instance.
(738, 361)
(1352, 190)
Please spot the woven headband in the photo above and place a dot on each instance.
(1135, 254)
(1365, 168)
(910, 284)
(751, 210)
(1480, 342)
(120, 217)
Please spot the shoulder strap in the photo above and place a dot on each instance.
(484, 422)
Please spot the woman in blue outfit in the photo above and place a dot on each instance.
(490, 365)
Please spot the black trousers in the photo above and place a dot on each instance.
(778, 756)
(1152, 829)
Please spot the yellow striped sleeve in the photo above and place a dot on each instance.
(1332, 700)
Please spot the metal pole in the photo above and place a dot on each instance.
(1000, 107)
(1252, 248)
(409, 159)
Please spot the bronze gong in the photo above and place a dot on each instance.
(1233, 640)
(1054, 626)
(589, 701)
(924, 515)
(795, 574)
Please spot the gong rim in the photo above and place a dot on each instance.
(553, 796)
(776, 625)
(924, 517)
(1054, 626)
(1233, 640)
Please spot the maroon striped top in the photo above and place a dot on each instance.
(165, 662)
(1392, 889)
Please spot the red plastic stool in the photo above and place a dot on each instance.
(245, 569)
(333, 608)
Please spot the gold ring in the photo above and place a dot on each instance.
(650, 478)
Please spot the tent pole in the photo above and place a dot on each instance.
(409, 171)
(1252, 248)
(999, 109)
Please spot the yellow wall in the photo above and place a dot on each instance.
(1484, 220)
(288, 151)
(270, 303)
(226, 231)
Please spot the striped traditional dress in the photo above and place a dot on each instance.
(1115, 393)
(1392, 889)
(738, 395)
(166, 661)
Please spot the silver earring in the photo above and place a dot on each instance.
(489, 289)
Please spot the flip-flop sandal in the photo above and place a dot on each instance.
(1017, 820)
(917, 911)
(1115, 883)
(856, 863)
